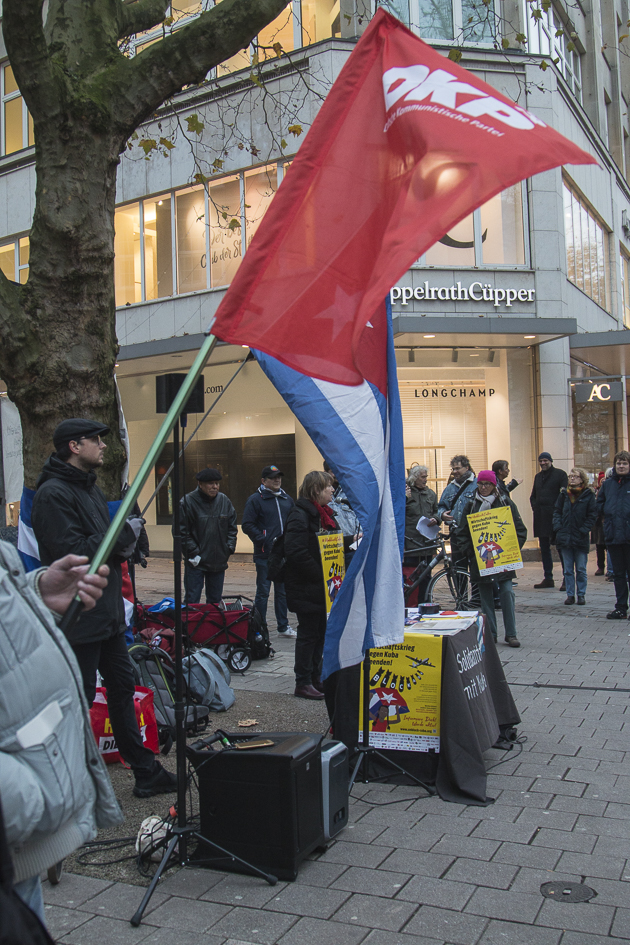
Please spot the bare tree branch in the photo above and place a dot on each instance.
(184, 58)
(139, 15)
(23, 31)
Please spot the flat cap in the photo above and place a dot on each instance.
(209, 475)
(75, 428)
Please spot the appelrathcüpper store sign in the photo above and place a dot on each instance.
(478, 292)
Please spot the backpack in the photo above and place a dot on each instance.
(258, 637)
(155, 669)
(276, 561)
(208, 680)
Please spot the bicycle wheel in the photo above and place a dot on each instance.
(451, 590)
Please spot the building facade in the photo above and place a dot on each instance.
(498, 327)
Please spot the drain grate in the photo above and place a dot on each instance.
(567, 892)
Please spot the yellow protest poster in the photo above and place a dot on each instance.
(333, 564)
(405, 692)
(494, 541)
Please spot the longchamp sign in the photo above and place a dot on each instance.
(475, 292)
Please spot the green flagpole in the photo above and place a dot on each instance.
(132, 494)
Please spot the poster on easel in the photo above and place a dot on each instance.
(333, 564)
(495, 542)
(405, 693)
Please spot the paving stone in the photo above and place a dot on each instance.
(621, 811)
(74, 890)
(612, 846)
(409, 838)
(454, 826)
(604, 827)
(356, 854)
(239, 890)
(454, 927)
(316, 873)
(516, 833)
(169, 937)
(420, 864)
(60, 921)
(437, 892)
(319, 932)
(558, 786)
(362, 833)
(585, 938)
(178, 913)
(310, 900)
(500, 811)
(577, 916)
(530, 880)
(253, 925)
(523, 798)
(579, 805)
(375, 912)
(384, 882)
(496, 875)
(381, 937)
(107, 931)
(565, 840)
(121, 900)
(467, 846)
(582, 864)
(510, 933)
(555, 819)
(609, 892)
(521, 855)
(189, 883)
(496, 904)
(621, 925)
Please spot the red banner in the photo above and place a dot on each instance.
(405, 146)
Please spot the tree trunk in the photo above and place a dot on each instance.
(66, 365)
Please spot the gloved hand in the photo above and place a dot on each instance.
(194, 561)
(136, 523)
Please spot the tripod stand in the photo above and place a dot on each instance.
(176, 839)
(365, 752)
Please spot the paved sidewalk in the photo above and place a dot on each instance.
(425, 872)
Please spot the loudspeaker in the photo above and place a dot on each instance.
(263, 804)
(166, 388)
(335, 785)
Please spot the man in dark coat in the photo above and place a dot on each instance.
(264, 520)
(208, 532)
(613, 503)
(70, 516)
(547, 485)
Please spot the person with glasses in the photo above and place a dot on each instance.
(70, 516)
(574, 516)
(487, 496)
(452, 501)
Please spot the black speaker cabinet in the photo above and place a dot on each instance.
(263, 804)
(166, 388)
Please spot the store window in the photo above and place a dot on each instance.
(14, 260)
(239, 460)
(548, 36)
(494, 236)
(17, 124)
(190, 239)
(625, 289)
(596, 432)
(587, 249)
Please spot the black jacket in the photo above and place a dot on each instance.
(613, 502)
(304, 578)
(506, 487)
(70, 516)
(265, 517)
(208, 528)
(464, 539)
(545, 492)
(572, 521)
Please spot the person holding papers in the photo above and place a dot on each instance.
(421, 504)
(487, 496)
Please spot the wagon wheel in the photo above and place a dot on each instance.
(239, 659)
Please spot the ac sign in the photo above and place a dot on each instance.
(599, 393)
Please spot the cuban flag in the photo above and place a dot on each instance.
(27, 543)
(359, 431)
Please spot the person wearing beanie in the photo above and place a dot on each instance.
(487, 496)
(613, 503)
(208, 531)
(546, 489)
(574, 516)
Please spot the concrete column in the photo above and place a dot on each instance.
(555, 420)
(307, 456)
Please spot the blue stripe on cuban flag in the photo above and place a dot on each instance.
(359, 431)
(27, 544)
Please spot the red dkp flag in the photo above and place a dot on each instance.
(406, 144)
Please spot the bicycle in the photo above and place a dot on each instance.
(450, 588)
